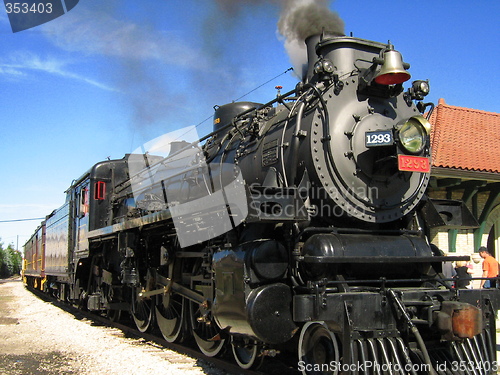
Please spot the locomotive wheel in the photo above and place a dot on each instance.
(113, 315)
(170, 316)
(142, 312)
(317, 345)
(205, 331)
(246, 353)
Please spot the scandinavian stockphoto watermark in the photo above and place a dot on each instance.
(302, 205)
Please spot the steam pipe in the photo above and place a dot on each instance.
(275, 100)
(295, 144)
(413, 329)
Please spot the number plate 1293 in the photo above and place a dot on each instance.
(413, 163)
(378, 138)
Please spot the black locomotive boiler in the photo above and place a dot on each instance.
(297, 225)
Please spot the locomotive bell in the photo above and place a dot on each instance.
(392, 71)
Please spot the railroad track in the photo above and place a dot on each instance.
(154, 341)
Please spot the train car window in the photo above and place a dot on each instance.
(84, 201)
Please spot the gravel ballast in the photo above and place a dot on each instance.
(37, 337)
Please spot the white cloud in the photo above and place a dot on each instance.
(9, 71)
(97, 32)
(20, 62)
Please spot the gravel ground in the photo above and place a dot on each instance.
(39, 338)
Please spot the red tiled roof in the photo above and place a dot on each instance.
(464, 138)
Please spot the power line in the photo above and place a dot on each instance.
(11, 221)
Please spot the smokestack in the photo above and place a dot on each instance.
(342, 51)
(312, 56)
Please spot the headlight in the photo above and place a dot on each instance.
(419, 90)
(324, 66)
(412, 135)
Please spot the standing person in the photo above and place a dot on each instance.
(490, 268)
(448, 270)
(463, 275)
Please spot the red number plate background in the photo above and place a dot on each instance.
(413, 163)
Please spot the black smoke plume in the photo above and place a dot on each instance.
(298, 20)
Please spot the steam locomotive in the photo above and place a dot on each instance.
(296, 225)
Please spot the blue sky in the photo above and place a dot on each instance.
(111, 75)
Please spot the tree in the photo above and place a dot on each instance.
(10, 261)
(16, 259)
(4, 262)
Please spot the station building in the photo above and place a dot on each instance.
(466, 167)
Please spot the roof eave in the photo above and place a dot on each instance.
(445, 172)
